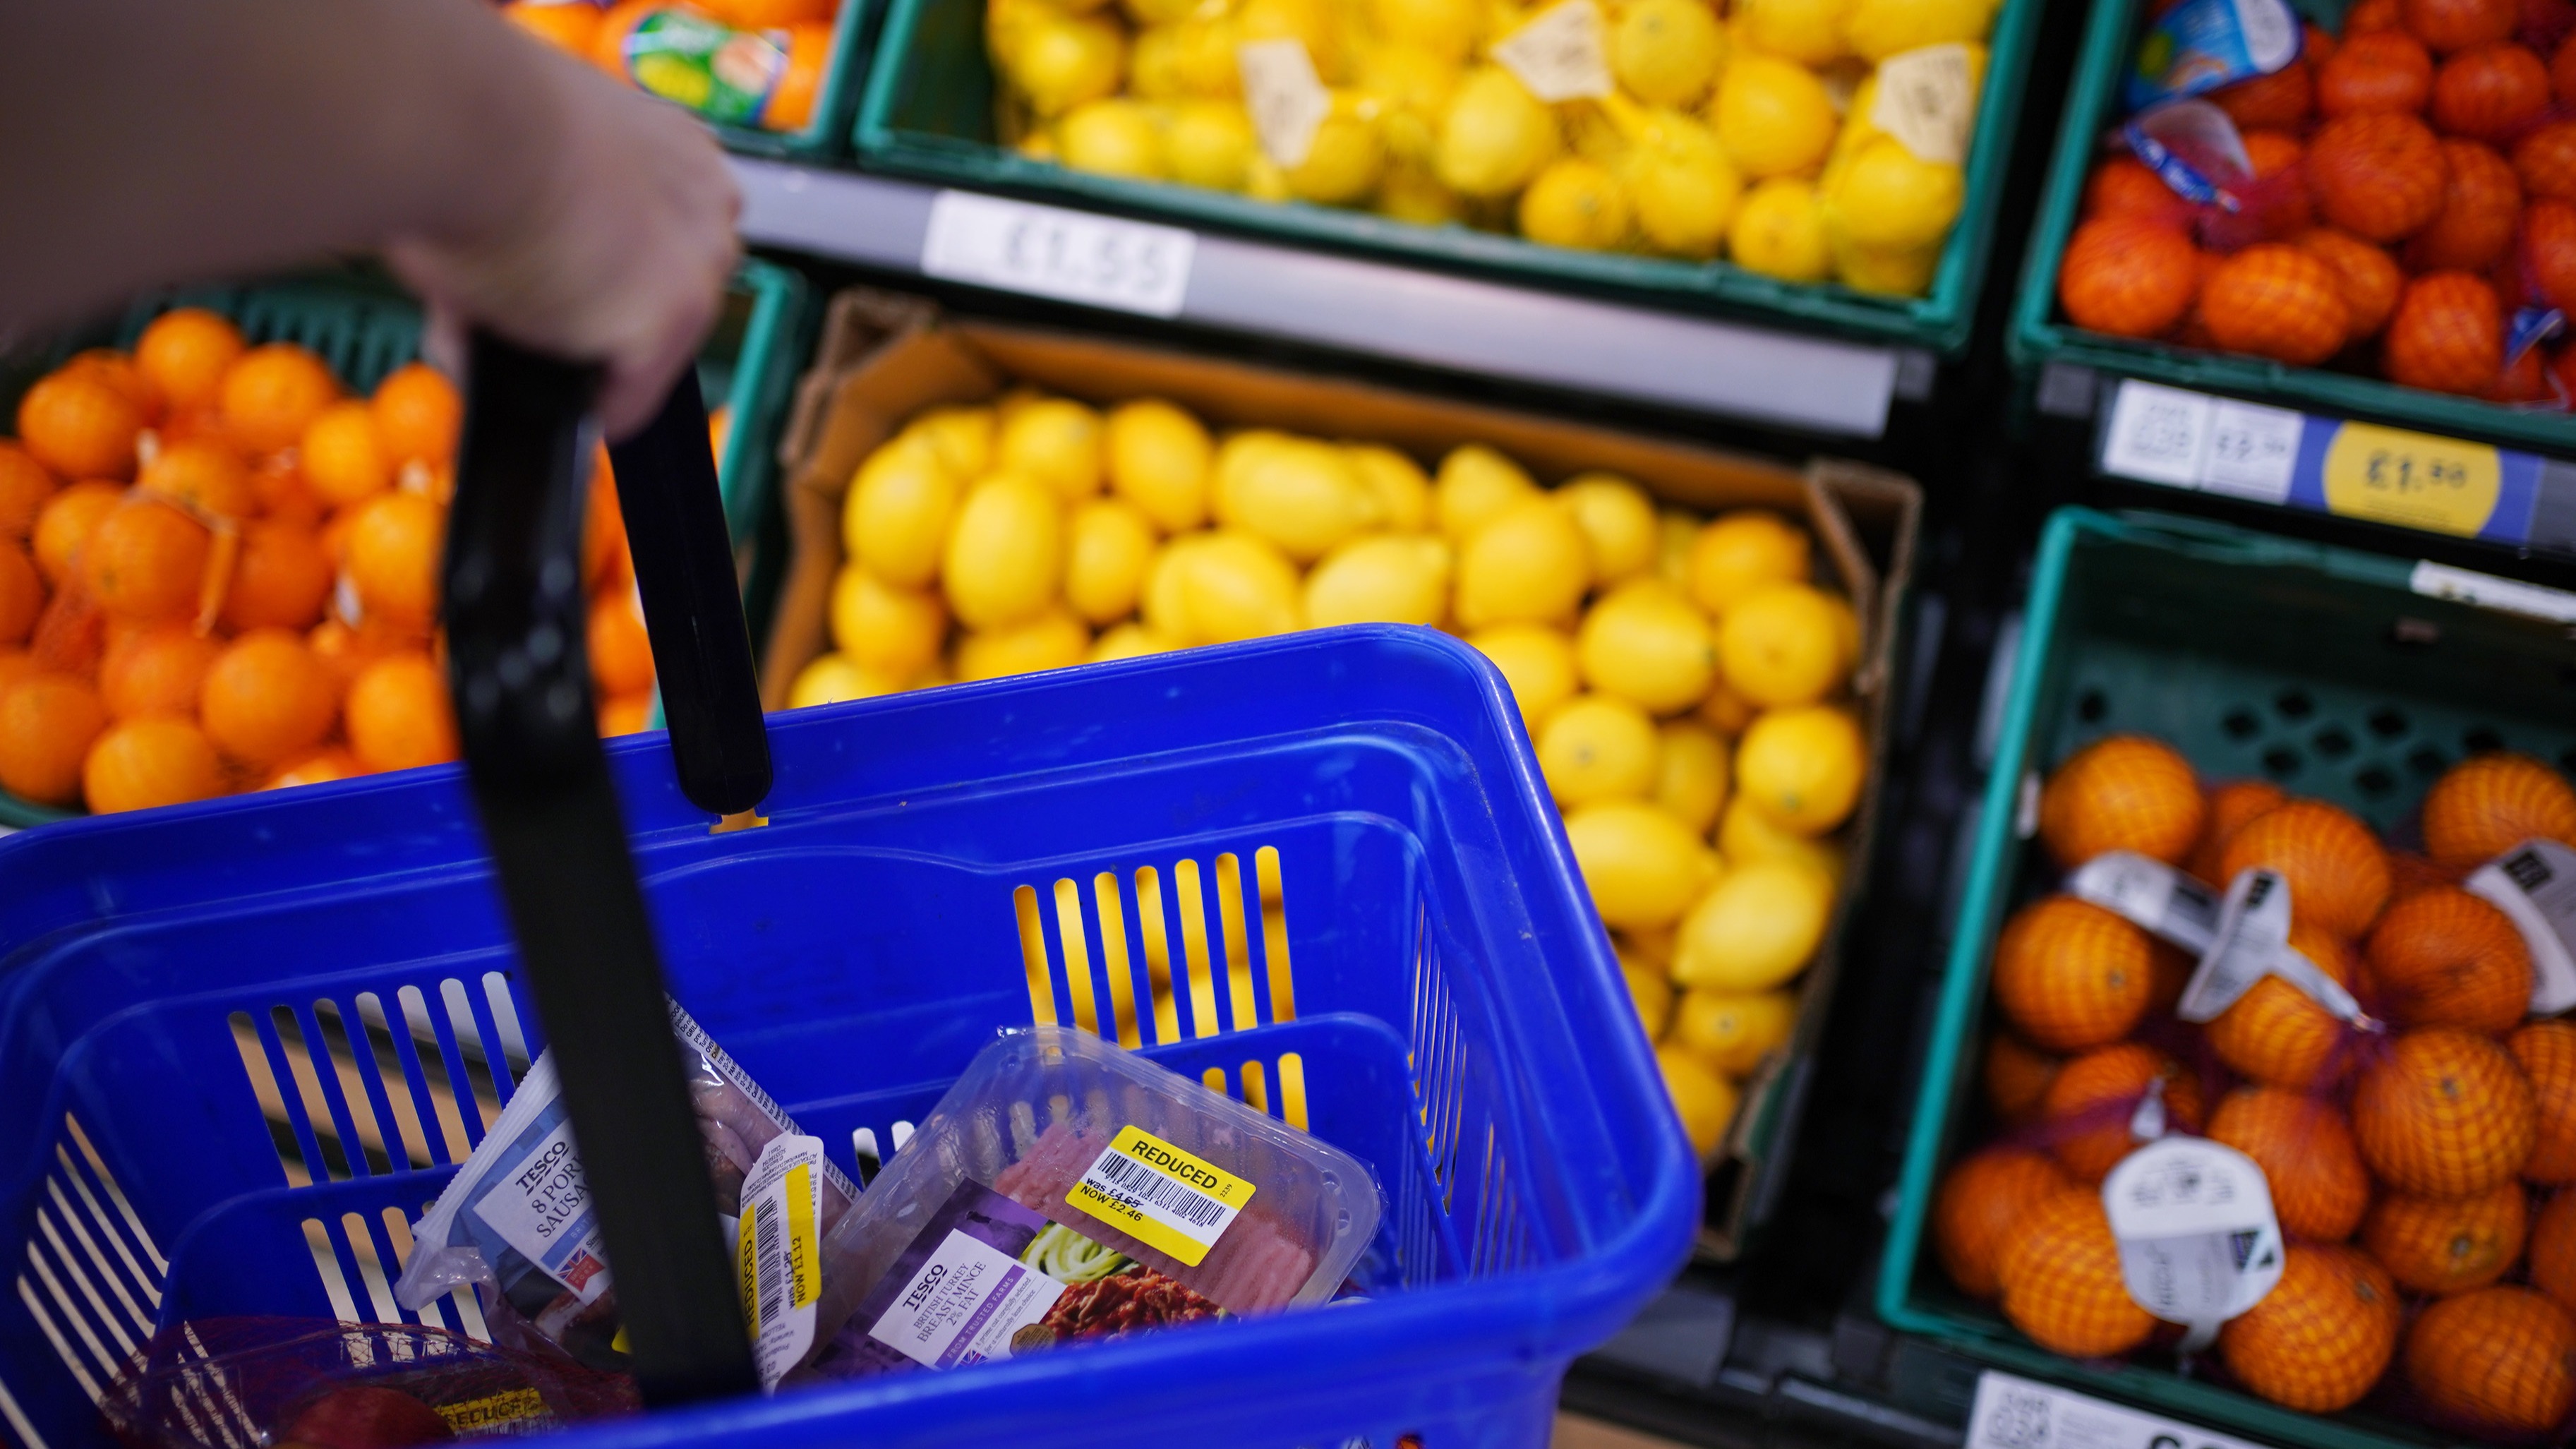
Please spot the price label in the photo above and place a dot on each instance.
(2199, 1243)
(2512, 596)
(1047, 251)
(2253, 451)
(2252, 941)
(1559, 55)
(2012, 1412)
(2157, 434)
(2414, 480)
(2151, 895)
(2535, 884)
(1925, 102)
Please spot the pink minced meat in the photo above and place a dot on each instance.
(1259, 1263)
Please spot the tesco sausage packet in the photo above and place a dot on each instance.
(516, 1221)
(1065, 1190)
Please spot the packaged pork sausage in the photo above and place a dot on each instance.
(1065, 1190)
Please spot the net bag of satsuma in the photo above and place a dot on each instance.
(1065, 1190)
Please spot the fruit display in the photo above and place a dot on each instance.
(2396, 200)
(1684, 680)
(755, 63)
(219, 572)
(1804, 140)
(2412, 1115)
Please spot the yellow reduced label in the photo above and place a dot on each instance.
(493, 1411)
(1160, 1195)
(2414, 480)
(805, 1266)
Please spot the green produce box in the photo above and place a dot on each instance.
(822, 135)
(365, 328)
(928, 112)
(2324, 669)
(2040, 334)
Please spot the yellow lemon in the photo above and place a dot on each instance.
(1782, 644)
(1037, 145)
(1889, 200)
(1725, 711)
(1732, 1032)
(1740, 552)
(1161, 611)
(1108, 544)
(1575, 203)
(1055, 441)
(1675, 533)
(1646, 644)
(1440, 27)
(1062, 61)
(1475, 485)
(1618, 523)
(1883, 273)
(1112, 136)
(1773, 116)
(1643, 867)
(1309, 22)
(1527, 566)
(1225, 586)
(1128, 641)
(1411, 191)
(1846, 628)
(832, 679)
(1667, 52)
(963, 438)
(1652, 946)
(1705, 1101)
(1387, 578)
(1192, 57)
(1878, 29)
(1298, 493)
(1236, 454)
(1595, 748)
(896, 515)
(1403, 494)
(1690, 774)
(1006, 554)
(1779, 231)
(1209, 143)
(1494, 135)
(1053, 639)
(1809, 32)
(1651, 994)
(1536, 661)
(1158, 460)
(1154, 63)
(892, 631)
(1802, 767)
(1156, 12)
(1745, 834)
(1409, 86)
(1343, 161)
(1684, 203)
(1756, 928)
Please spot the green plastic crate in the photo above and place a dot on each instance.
(2040, 335)
(928, 112)
(365, 328)
(2255, 656)
(823, 133)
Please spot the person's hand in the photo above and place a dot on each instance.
(618, 254)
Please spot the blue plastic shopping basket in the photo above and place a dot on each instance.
(243, 1042)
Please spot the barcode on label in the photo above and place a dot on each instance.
(768, 1249)
(1142, 1186)
(1160, 1195)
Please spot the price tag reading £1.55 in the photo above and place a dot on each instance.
(1559, 55)
(1048, 251)
(2199, 1243)
(2252, 942)
(2154, 896)
(2535, 884)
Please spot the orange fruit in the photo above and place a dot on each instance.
(2278, 1035)
(2306, 1151)
(2276, 205)
(2443, 957)
(2128, 276)
(2553, 1250)
(2545, 159)
(2369, 16)
(185, 352)
(2072, 975)
(2445, 1113)
(2546, 1052)
(417, 414)
(2496, 1361)
(791, 101)
(2088, 1107)
(2562, 72)
(156, 671)
(155, 760)
(267, 699)
(2125, 792)
(2276, 301)
(343, 458)
(203, 474)
(2379, 174)
(47, 721)
(2481, 212)
(80, 425)
(2170, 967)
(2446, 1245)
(16, 664)
(398, 713)
(2449, 25)
(2230, 806)
(2124, 186)
(2322, 1336)
(284, 496)
(347, 651)
(22, 593)
(118, 371)
(2335, 869)
(567, 27)
(2385, 70)
(2488, 804)
(24, 487)
(316, 768)
(1979, 1201)
(64, 524)
(2368, 277)
(280, 578)
(392, 557)
(2060, 1273)
(2409, 873)
(621, 653)
(146, 561)
(2016, 1075)
(272, 393)
(2447, 335)
(2549, 252)
(2490, 93)
(2279, 100)
(2524, 380)
(625, 714)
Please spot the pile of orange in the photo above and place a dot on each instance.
(794, 36)
(2422, 1162)
(2414, 187)
(218, 572)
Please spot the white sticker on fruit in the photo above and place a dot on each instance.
(1049, 251)
(965, 1305)
(544, 1210)
(2152, 895)
(2535, 884)
(2017, 1413)
(2253, 941)
(1286, 98)
(1559, 55)
(1925, 100)
(778, 1251)
(2199, 1243)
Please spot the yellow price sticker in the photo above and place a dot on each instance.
(2413, 480)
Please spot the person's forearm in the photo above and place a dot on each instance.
(149, 140)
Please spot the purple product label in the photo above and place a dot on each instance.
(2529, 327)
(2193, 147)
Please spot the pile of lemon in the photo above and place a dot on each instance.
(1749, 135)
(1679, 678)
